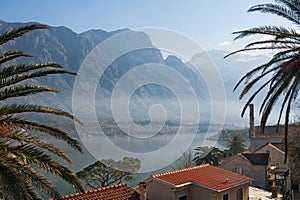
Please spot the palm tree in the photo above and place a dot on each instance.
(22, 150)
(236, 145)
(280, 75)
(208, 155)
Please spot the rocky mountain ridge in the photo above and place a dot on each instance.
(63, 46)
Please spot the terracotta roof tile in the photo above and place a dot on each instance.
(114, 192)
(205, 175)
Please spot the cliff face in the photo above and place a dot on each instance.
(63, 46)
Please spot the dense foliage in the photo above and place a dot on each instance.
(108, 172)
(236, 145)
(208, 155)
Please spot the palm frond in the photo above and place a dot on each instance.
(17, 78)
(251, 73)
(18, 32)
(278, 82)
(43, 128)
(285, 63)
(24, 90)
(278, 32)
(278, 10)
(293, 5)
(38, 180)
(250, 99)
(12, 70)
(14, 185)
(10, 55)
(250, 84)
(252, 49)
(24, 137)
(22, 153)
(275, 44)
(25, 108)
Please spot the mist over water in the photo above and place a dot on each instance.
(99, 144)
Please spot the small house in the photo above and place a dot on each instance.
(254, 165)
(201, 182)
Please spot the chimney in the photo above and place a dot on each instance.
(142, 190)
(251, 117)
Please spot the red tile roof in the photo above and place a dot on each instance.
(206, 176)
(115, 192)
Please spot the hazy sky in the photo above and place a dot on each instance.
(209, 22)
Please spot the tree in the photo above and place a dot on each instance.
(208, 155)
(22, 150)
(280, 75)
(236, 145)
(185, 161)
(108, 172)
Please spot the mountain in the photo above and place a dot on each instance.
(64, 46)
(60, 45)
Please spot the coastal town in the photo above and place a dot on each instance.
(149, 100)
(258, 173)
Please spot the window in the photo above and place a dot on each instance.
(239, 194)
(233, 169)
(240, 170)
(225, 197)
(184, 197)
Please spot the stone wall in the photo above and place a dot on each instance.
(239, 164)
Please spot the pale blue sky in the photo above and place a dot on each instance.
(209, 22)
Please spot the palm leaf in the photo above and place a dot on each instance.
(18, 78)
(23, 137)
(17, 108)
(24, 90)
(10, 55)
(284, 83)
(13, 184)
(18, 32)
(277, 10)
(278, 32)
(293, 5)
(43, 128)
(12, 70)
(21, 153)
